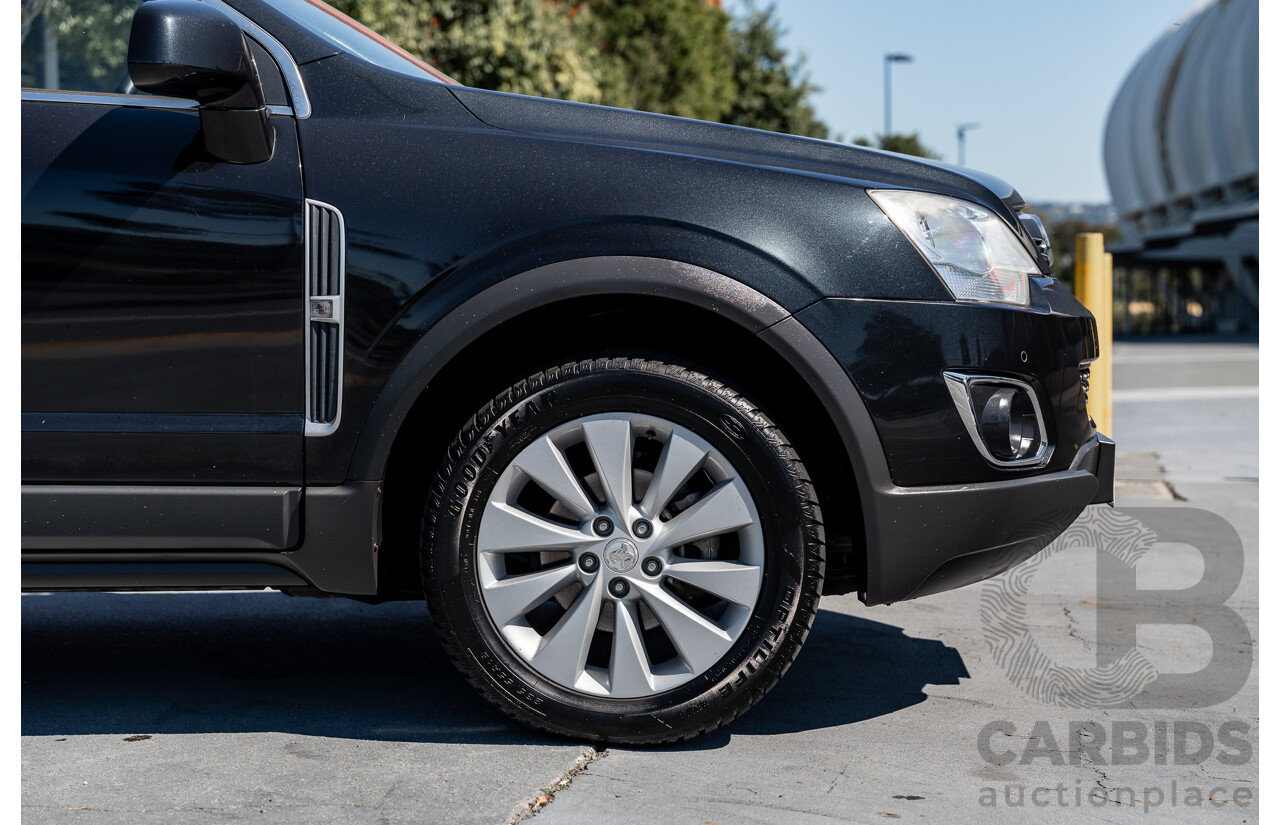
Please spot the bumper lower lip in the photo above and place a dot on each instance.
(1105, 471)
(950, 536)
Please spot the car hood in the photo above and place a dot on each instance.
(623, 127)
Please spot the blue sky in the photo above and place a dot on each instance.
(1039, 77)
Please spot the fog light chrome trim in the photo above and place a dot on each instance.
(958, 384)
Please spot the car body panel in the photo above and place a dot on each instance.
(486, 204)
(624, 127)
(916, 419)
(161, 332)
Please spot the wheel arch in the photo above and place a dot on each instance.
(522, 323)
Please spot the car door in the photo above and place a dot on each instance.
(162, 302)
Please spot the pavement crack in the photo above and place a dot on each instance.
(545, 796)
(1073, 628)
(840, 774)
(1101, 781)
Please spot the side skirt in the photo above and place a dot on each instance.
(161, 538)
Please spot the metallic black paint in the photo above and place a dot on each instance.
(157, 280)
(77, 456)
(163, 287)
(488, 203)
(487, 311)
(896, 351)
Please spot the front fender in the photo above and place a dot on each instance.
(533, 289)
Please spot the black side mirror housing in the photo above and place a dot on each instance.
(189, 49)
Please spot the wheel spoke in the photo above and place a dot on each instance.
(517, 603)
(629, 673)
(505, 529)
(699, 642)
(680, 458)
(563, 653)
(610, 445)
(544, 463)
(720, 511)
(512, 597)
(739, 583)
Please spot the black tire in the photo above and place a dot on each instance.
(790, 522)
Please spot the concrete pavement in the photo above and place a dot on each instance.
(263, 707)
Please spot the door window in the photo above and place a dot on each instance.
(83, 46)
(77, 45)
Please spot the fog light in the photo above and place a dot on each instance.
(1003, 418)
(1008, 424)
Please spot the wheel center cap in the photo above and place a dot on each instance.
(620, 555)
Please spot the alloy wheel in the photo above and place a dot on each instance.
(620, 555)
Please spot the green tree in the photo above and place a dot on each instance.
(678, 57)
(91, 38)
(903, 144)
(530, 47)
(771, 94)
(672, 57)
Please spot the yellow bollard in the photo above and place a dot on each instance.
(1093, 288)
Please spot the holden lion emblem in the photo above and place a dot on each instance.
(621, 555)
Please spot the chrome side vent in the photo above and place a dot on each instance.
(326, 256)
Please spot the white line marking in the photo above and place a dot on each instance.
(1183, 393)
(1187, 358)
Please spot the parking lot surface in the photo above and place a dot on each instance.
(261, 707)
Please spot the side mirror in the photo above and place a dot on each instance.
(188, 49)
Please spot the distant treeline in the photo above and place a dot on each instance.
(680, 57)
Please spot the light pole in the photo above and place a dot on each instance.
(889, 60)
(960, 130)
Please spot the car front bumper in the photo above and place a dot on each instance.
(933, 539)
(937, 514)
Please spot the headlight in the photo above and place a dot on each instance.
(975, 253)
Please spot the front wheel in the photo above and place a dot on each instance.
(622, 550)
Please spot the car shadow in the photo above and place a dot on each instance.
(100, 663)
(850, 670)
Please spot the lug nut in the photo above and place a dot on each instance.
(619, 587)
(603, 526)
(652, 566)
(642, 529)
(588, 562)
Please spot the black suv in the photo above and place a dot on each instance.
(623, 394)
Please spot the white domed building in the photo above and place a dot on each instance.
(1181, 157)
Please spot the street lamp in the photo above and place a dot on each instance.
(889, 60)
(960, 130)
